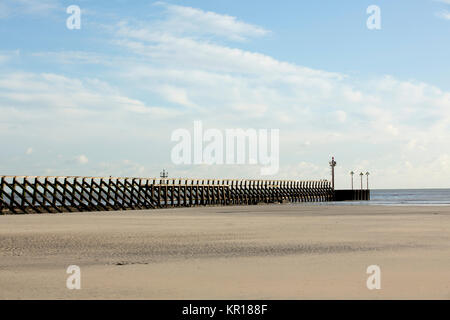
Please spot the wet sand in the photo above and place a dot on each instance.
(248, 252)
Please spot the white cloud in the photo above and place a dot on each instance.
(75, 57)
(29, 151)
(176, 95)
(3, 59)
(444, 14)
(341, 116)
(392, 130)
(250, 109)
(217, 76)
(27, 7)
(66, 95)
(158, 112)
(188, 20)
(7, 55)
(182, 51)
(82, 159)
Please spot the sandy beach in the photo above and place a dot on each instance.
(247, 252)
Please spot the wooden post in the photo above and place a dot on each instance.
(179, 194)
(172, 193)
(2, 202)
(44, 195)
(152, 193)
(191, 192)
(166, 193)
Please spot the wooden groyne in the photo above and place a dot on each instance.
(26, 194)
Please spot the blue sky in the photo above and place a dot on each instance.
(103, 100)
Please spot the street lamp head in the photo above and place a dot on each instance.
(361, 174)
(367, 173)
(352, 173)
(164, 174)
(332, 162)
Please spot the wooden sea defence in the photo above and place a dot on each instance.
(26, 194)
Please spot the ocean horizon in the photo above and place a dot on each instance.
(403, 197)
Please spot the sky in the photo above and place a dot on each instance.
(105, 99)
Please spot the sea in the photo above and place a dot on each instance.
(404, 197)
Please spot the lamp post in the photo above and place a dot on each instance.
(352, 173)
(361, 175)
(367, 174)
(164, 174)
(332, 165)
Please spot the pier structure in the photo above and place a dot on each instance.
(349, 195)
(56, 194)
(352, 195)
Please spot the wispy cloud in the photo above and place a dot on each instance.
(188, 20)
(7, 55)
(3, 58)
(51, 96)
(82, 159)
(159, 45)
(444, 14)
(27, 7)
(74, 57)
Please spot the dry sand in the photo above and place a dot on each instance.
(250, 252)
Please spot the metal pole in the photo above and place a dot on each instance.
(351, 174)
(367, 174)
(332, 165)
(361, 174)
